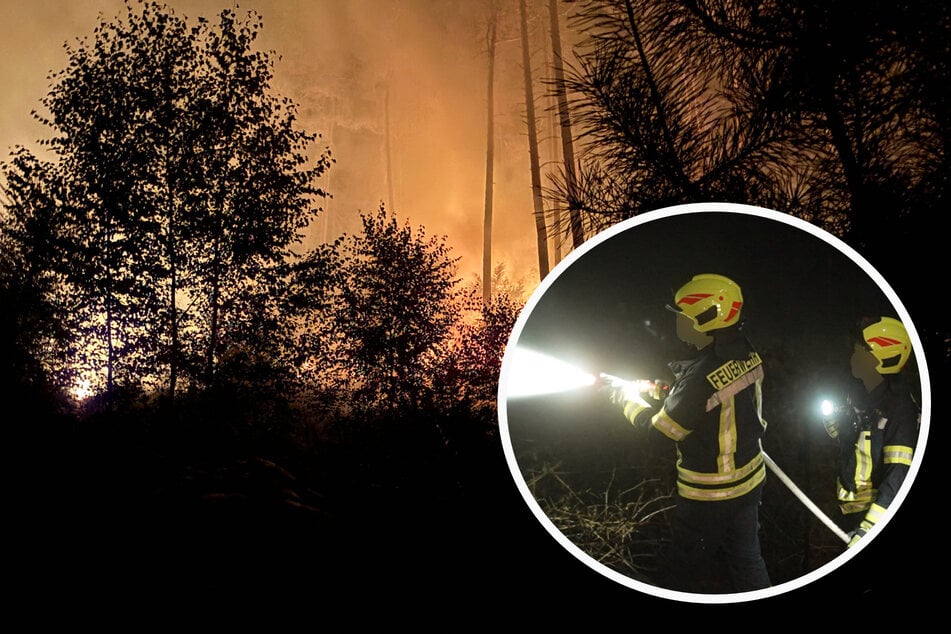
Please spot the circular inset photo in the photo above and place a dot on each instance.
(714, 403)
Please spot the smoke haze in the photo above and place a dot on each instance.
(351, 66)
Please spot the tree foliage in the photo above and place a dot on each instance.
(31, 269)
(396, 309)
(469, 373)
(833, 113)
(180, 188)
(661, 120)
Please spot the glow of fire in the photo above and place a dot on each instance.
(82, 390)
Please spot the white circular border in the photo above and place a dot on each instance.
(688, 209)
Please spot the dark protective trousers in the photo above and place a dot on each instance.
(715, 546)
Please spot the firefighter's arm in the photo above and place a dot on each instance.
(638, 406)
(871, 518)
(638, 411)
(897, 461)
(897, 454)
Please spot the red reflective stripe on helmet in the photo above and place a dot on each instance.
(693, 298)
(884, 341)
(733, 311)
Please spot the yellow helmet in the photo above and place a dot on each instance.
(888, 342)
(711, 301)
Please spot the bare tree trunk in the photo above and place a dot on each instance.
(389, 157)
(556, 208)
(489, 164)
(109, 315)
(540, 229)
(567, 143)
(174, 352)
(110, 345)
(214, 308)
(552, 130)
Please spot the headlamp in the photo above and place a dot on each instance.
(828, 407)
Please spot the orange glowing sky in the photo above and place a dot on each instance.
(341, 60)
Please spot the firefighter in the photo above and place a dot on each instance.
(878, 427)
(713, 413)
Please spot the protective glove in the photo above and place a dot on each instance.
(859, 532)
(656, 393)
(632, 396)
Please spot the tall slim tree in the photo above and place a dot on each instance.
(554, 152)
(257, 191)
(491, 40)
(575, 225)
(119, 111)
(541, 230)
(388, 147)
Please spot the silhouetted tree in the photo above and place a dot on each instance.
(257, 190)
(860, 94)
(397, 306)
(861, 87)
(314, 352)
(31, 268)
(491, 40)
(184, 189)
(571, 194)
(116, 111)
(469, 372)
(831, 113)
(666, 117)
(541, 230)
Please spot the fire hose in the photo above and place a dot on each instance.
(644, 385)
(804, 499)
(540, 373)
(770, 463)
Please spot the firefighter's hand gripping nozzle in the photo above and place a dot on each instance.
(649, 392)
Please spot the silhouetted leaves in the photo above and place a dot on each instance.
(396, 310)
(833, 113)
(179, 189)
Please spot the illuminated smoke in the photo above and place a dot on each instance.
(341, 62)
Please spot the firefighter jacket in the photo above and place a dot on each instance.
(714, 414)
(876, 447)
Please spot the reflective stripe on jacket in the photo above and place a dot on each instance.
(718, 445)
(877, 458)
